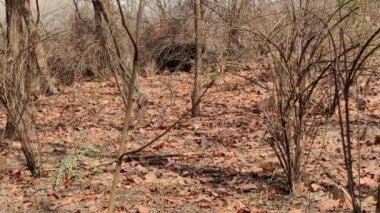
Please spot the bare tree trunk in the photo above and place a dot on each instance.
(10, 130)
(141, 95)
(162, 9)
(15, 84)
(38, 53)
(13, 46)
(129, 104)
(198, 61)
(100, 35)
(125, 74)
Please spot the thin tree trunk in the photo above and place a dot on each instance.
(125, 74)
(100, 36)
(9, 131)
(198, 61)
(38, 53)
(129, 104)
(141, 96)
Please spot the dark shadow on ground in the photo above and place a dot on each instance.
(227, 178)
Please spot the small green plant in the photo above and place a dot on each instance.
(213, 72)
(70, 168)
(88, 150)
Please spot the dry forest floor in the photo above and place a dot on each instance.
(236, 170)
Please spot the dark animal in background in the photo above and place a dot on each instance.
(177, 57)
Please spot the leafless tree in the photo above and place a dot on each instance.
(310, 50)
(17, 78)
(198, 61)
(128, 118)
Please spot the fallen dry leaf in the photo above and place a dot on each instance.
(93, 208)
(67, 201)
(368, 182)
(239, 205)
(171, 200)
(142, 209)
(315, 187)
(206, 179)
(225, 153)
(270, 166)
(300, 188)
(36, 181)
(244, 210)
(151, 177)
(273, 192)
(54, 196)
(369, 201)
(296, 211)
(232, 161)
(376, 149)
(256, 210)
(27, 203)
(204, 201)
(328, 205)
(179, 181)
(203, 198)
(247, 187)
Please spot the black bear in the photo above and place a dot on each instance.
(177, 57)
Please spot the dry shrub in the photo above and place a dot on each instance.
(223, 31)
(161, 34)
(76, 54)
(309, 46)
(149, 69)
